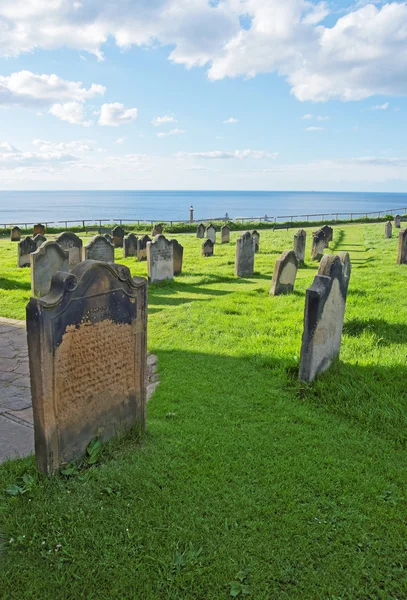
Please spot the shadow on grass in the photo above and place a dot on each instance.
(388, 333)
(14, 284)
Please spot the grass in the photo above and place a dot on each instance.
(247, 482)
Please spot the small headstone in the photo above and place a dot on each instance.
(207, 248)
(388, 230)
(210, 233)
(82, 387)
(397, 221)
(318, 244)
(45, 262)
(15, 234)
(329, 234)
(38, 229)
(160, 259)
(118, 235)
(178, 253)
(402, 251)
(285, 272)
(256, 240)
(158, 229)
(39, 239)
(224, 234)
(99, 248)
(200, 230)
(300, 240)
(323, 320)
(142, 247)
(130, 245)
(244, 261)
(73, 244)
(24, 249)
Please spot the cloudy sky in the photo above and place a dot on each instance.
(203, 94)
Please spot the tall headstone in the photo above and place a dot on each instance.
(38, 229)
(329, 234)
(200, 230)
(285, 272)
(118, 235)
(39, 239)
(158, 229)
(142, 247)
(224, 234)
(388, 230)
(256, 240)
(397, 221)
(99, 248)
(207, 248)
(318, 244)
(402, 250)
(178, 253)
(210, 233)
(130, 245)
(45, 262)
(160, 259)
(15, 234)
(82, 387)
(73, 244)
(24, 249)
(300, 241)
(323, 321)
(244, 261)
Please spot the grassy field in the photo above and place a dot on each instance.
(247, 483)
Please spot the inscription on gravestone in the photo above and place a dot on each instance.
(130, 245)
(244, 260)
(142, 247)
(73, 244)
(160, 259)
(45, 262)
(99, 248)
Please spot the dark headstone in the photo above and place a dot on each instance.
(25, 248)
(244, 261)
(300, 241)
(178, 253)
(285, 272)
(142, 247)
(388, 230)
(158, 229)
(130, 245)
(328, 232)
(73, 244)
(397, 221)
(118, 235)
(15, 234)
(402, 250)
(318, 244)
(256, 240)
(38, 229)
(200, 230)
(160, 259)
(207, 248)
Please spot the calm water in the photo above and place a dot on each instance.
(22, 207)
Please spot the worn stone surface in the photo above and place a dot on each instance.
(157, 229)
(224, 234)
(200, 231)
(397, 221)
(210, 233)
(329, 234)
(244, 259)
(300, 241)
(346, 266)
(256, 240)
(15, 234)
(108, 237)
(388, 229)
(402, 248)
(73, 245)
(160, 259)
(207, 248)
(318, 244)
(142, 247)
(99, 248)
(285, 272)
(130, 245)
(24, 249)
(323, 320)
(118, 236)
(38, 229)
(178, 254)
(45, 262)
(38, 240)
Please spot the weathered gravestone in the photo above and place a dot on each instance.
(244, 261)
(388, 230)
(160, 259)
(108, 237)
(82, 387)
(318, 244)
(224, 234)
(346, 266)
(24, 249)
(402, 251)
(397, 221)
(329, 234)
(38, 229)
(210, 232)
(178, 253)
(73, 244)
(99, 248)
(326, 263)
(118, 235)
(45, 262)
(15, 234)
(200, 230)
(130, 245)
(285, 272)
(157, 230)
(300, 240)
(207, 248)
(256, 240)
(323, 321)
(39, 239)
(142, 247)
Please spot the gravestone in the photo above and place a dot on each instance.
(244, 261)
(300, 240)
(323, 320)
(130, 245)
(82, 387)
(158, 229)
(329, 234)
(39, 239)
(224, 234)
(210, 232)
(118, 235)
(45, 262)
(318, 244)
(388, 230)
(200, 230)
(285, 272)
(108, 237)
(402, 250)
(142, 247)
(38, 229)
(73, 244)
(24, 249)
(99, 248)
(178, 253)
(207, 248)
(15, 234)
(397, 221)
(160, 259)
(256, 240)
(346, 266)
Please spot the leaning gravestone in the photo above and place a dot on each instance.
(178, 253)
(142, 247)
(388, 230)
(160, 259)
(207, 248)
(397, 221)
(38, 229)
(402, 251)
(15, 234)
(300, 240)
(83, 388)
(45, 262)
(24, 249)
(323, 321)
(130, 245)
(224, 234)
(329, 234)
(256, 240)
(99, 248)
(118, 235)
(158, 229)
(285, 272)
(244, 261)
(200, 230)
(210, 232)
(39, 239)
(73, 244)
(318, 244)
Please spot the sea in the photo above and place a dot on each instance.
(29, 207)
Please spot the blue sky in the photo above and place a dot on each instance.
(192, 94)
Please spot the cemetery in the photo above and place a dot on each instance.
(265, 453)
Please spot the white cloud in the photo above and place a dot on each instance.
(384, 106)
(72, 112)
(239, 154)
(121, 140)
(307, 117)
(116, 114)
(14, 158)
(320, 118)
(157, 121)
(172, 132)
(231, 120)
(314, 129)
(74, 146)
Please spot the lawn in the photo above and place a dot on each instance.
(246, 483)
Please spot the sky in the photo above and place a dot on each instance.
(203, 94)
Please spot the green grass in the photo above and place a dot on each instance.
(244, 474)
